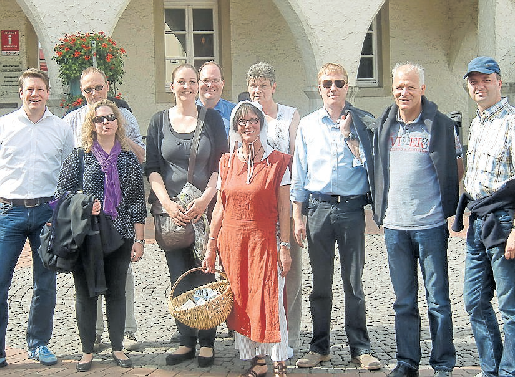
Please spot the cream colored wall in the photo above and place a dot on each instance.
(260, 33)
(135, 33)
(440, 37)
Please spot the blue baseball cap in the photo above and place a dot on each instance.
(483, 64)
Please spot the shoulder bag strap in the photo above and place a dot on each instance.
(195, 143)
(80, 152)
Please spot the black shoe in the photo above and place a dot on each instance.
(124, 363)
(3, 362)
(402, 370)
(84, 367)
(177, 358)
(204, 362)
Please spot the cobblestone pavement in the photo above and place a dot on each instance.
(155, 325)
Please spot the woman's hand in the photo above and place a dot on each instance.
(284, 260)
(177, 213)
(137, 251)
(97, 206)
(208, 263)
(196, 209)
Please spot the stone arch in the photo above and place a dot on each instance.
(323, 36)
(50, 25)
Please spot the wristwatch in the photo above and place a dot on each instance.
(285, 244)
(139, 241)
(352, 136)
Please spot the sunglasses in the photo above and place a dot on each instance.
(97, 88)
(102, 118)
(328, 83)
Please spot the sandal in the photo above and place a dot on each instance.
(280, 369)
(255, 362)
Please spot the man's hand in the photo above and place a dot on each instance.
(509, 253)
(299, 231)
(345, 122)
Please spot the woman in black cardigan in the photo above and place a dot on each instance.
(169, 140)
(112, 174)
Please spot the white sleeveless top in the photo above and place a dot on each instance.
(279, 128)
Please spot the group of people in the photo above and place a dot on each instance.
(272, 183)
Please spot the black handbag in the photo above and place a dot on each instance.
(170, 236)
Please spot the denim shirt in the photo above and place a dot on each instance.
(323, 163)
(224, 108)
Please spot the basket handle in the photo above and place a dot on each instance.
(223, 274)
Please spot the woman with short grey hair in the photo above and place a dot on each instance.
(282, 129)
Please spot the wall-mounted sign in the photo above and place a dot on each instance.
(10, 42)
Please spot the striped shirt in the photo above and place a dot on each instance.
(491, 150)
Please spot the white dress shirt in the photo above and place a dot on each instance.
(31, 154)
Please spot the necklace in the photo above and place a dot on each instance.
(245, 157)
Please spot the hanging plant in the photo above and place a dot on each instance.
(76, 52)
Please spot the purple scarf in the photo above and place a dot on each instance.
(107, 161)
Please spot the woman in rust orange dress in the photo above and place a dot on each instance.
(253, 197)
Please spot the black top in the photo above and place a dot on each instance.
(131, 210)
(168, 151)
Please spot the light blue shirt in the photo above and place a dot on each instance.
(323, 163)
(224, 108)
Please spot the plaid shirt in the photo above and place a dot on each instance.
(491, 150)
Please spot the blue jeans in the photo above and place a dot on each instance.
(487, 270)
(427, 247)
(345, 224)
(16, 225)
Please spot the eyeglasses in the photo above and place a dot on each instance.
(103, 118)
(212, 81)
(97, 88)
(243, 122)
(328, 83)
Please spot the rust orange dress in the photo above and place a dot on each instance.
(247, 243)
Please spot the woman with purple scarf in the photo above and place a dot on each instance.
(114, 177)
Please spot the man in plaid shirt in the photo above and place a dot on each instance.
(490, 188)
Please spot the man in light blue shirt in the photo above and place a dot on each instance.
(331, 180)
(211, 85)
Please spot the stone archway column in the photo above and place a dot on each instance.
(495, 39)
(52, 19)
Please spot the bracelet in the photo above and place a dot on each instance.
(285, 244)
(212, 238)
(139, 241)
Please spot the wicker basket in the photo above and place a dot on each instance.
(209, 315)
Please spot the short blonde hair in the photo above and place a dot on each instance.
(89, 134)
(328, 68)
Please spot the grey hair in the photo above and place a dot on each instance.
(409, 68)
(261, 70)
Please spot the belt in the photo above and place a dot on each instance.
(27, 202)
(334, 199)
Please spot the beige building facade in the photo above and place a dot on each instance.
(296, 36)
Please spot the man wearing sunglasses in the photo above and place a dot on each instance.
(94, 87)
(417, 167)
(333, 150)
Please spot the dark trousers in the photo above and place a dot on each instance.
(344, 223)
(115, 269)
(179, 261)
